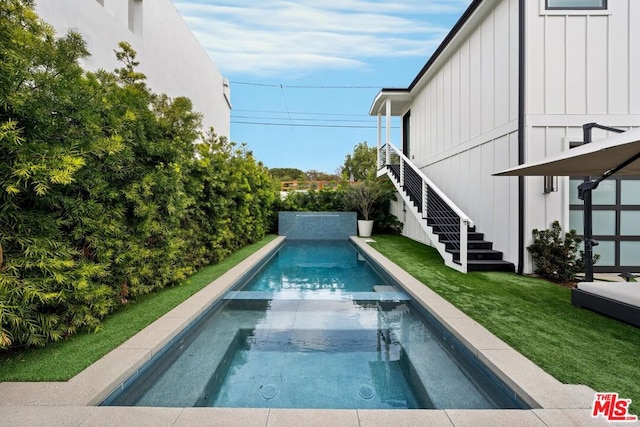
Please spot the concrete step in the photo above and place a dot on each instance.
(478, 254)
(490, 265)
(471, 244)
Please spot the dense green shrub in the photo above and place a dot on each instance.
(107, 190)
(47, 288)
(557, 258)
(315, 200)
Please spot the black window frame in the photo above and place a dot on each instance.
(406, 134)
(618, 237)
(603, 7)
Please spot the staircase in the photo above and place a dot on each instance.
(440, 218)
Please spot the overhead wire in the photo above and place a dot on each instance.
(301, 112)
(302, 119)
(306, 125)
(304, 86)
(293, 130)
(260, 120)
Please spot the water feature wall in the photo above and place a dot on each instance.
(317, 225)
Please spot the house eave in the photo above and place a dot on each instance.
(400, 101)
(400, 98)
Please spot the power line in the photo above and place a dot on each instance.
(293, 129)
(300, 112)
(301, 119)
(304, 86)
(307, 125)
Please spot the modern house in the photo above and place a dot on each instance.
(170, 56)
(515, 81)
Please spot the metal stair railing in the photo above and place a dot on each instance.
(430, 203)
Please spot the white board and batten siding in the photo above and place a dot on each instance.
(464, 121)
(170, 56)
(581, 68)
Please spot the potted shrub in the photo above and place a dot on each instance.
(362, 196)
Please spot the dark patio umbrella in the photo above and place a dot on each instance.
(618, 155)
(593, 159)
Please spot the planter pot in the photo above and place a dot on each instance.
(364, 228)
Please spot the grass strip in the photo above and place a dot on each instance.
(62, 360)
(535, 317)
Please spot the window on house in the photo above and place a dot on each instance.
(135, 16)
(616, 216)
(576, 4)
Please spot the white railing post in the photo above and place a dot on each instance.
(402, 166)
(425, 205)
(464, 226)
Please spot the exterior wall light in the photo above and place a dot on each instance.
(550, 184)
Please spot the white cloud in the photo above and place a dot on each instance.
(276, 36)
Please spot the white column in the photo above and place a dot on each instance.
(387, 107)
(379, 164)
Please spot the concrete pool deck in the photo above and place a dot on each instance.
(72, 403)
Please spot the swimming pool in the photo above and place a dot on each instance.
(318, 326)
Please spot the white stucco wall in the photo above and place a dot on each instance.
(169, 54)
(411, 228)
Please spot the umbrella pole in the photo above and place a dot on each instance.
(584, 193)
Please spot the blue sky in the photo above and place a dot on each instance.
(304, 73)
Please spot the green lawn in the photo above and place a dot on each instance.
(535, 317)
(64, 359)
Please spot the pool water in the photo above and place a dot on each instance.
(316, 327)
(320, 267)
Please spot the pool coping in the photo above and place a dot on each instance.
(73, 402)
